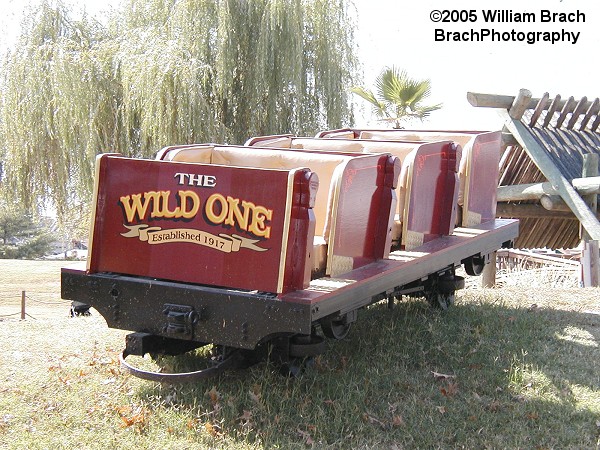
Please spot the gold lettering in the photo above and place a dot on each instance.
(219, 209)
(133, 205)
(209, 208)
(235, 214)
(259, 215)
(195, 199)
(247, 216)
(161, 205)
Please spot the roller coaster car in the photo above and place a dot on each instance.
(255, 249)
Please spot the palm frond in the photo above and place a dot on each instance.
(379, 108)
(399, 97)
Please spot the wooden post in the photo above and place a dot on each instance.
(531, 211)
(23, 296)
(591, 256)
(590, 264)
(590, 169)
(520, 104)
(506, 102)
(488, 276)
(595, 124)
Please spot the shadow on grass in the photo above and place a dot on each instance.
(486, 373)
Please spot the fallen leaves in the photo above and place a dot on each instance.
(133, 417)
(398, 421)
(213, 429)
(370, 418)
(450, 390)
(66, 380)
(306, 434)
(214, 395)
(494, 406)
(256, 395)
(385, 424)
(215, 399)
(246, 419)
(442, 376)
(192, 423)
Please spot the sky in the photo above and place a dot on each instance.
(402, 33)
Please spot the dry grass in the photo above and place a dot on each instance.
(41, 282)
(504, 368)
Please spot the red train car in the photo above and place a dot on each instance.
(266, 248)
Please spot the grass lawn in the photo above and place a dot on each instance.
(512, 367)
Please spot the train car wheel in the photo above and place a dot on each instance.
(474, 265)
(306, 346)
(447, 300)
(441, 291)
(442, 301)
(335, 329)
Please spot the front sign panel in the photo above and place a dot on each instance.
(216, 225)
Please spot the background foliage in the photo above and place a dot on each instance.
(21, 236)
(163, 72)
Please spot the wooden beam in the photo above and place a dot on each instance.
(534, 191)
(520, 104)
(541, 106)
(590, 169)
(490, 100)
(539, 258)
(578, 111)
(553, 107)
(567, 108)
(554, 203)
(530, 211)
(591, 161)
(593, 109)
(541, 158)
(595, 124)
(480, 100)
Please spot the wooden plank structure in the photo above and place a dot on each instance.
(554, 267)
(549, 171)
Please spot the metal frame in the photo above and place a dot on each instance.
(244, 319)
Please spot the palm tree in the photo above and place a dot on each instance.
(399, 97)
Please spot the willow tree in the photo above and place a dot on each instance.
(161, 72)
(57, 110)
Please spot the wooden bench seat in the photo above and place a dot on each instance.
(410, 228)
(478, 164)
(356, 193)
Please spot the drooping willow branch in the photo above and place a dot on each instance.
(164, 72)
